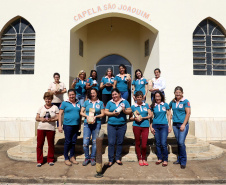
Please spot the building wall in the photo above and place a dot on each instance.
(169, 27)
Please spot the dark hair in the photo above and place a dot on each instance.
(157, 69)
(178, 88)
(162, 98)
(115, 90)
(71, 90)
(110, 70)
(138, 70)
(56, 74)
(91, 74)
(89, 93)
(48, 95)
(122, 65)
(139, 93)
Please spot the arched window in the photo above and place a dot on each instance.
(17, 48)
(209, 49)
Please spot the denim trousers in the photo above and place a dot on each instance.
(71, 134)
(116, 134)
(125, 94)
(181, 136)
(81, 99)
(58, 105)
(161, 133)
(88, 130)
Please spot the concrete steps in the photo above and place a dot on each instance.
(196, 149)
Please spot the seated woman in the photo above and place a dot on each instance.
(140, 117)
(116, 110)
(92, 110)
(92, 81)
(47, 116)
(72, 123)
(79, 84)
(139, 84)
(122, 82)
(161, 126)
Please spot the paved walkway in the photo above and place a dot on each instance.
(210, 171)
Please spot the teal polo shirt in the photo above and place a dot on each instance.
(121, 83)
(139, 85)
(80, 87)
(71, 112)
(105, 80)
(159, 112)
(121, 118)
(143, 110)
(179, 110)
(98, 105)
(90, 80)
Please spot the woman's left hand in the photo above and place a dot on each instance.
(182, 127)
(169, 129)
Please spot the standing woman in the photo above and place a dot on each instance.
(161, 126)
(71, 110)
(158, 83)
(123, 82)
(58, 89)
(181, 113)
(141, 126)
(91, 128)
(139, 84)
(79, 84)
(47, 116)
(116, 110)
(92, 81)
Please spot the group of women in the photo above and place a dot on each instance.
(83, 101)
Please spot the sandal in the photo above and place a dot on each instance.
(158, 162)
(145, 163)
(141, 163)
(119, 162)
(164, 164)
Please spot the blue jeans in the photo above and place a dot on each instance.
(161, 133)
(81, 98)
(58, 105)
(71, 133)
(88, 130)
(125, 94)
(181, 136)
(115, 132)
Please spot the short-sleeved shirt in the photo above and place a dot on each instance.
(42, 112)
(121, 118)
(90, 80)
(179, 110)
(80, 87)
(159, 112)
(105, 80)
(121, 83)
(98, 105)
(58, 98)
(71, 112)
(139, 85)
(143, 110)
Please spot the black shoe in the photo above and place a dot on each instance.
(182, 166)
(176, 162)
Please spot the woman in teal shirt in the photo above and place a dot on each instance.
(71, 110)
(93, 128)
(92, 81)
(181, 113)
(161, 126)
(116, 110)
(141, 126)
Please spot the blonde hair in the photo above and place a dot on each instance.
(48, 95)
(80, 72)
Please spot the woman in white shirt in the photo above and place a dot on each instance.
(159, 83)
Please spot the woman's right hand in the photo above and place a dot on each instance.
(116, 113)
(152, 130)
(60, 129)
